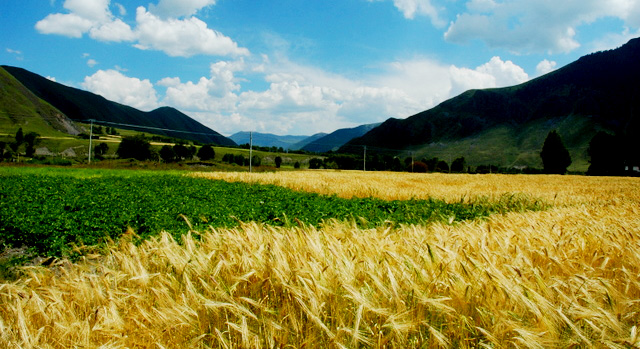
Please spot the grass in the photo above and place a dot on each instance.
(568, 276)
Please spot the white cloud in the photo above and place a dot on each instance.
(536, 25)
(545, 66)
(503, 73)
(176, 37)
(115, 31)
(93, 10)
(169, 82)
(302, 99)
(117, 87)
(14, 51)
(92, 16)
(121, 9)
(51, 78)
(179, 8)
(70, 25)
(412, 8)
(613, 40)
(92, 63)
(182, 37)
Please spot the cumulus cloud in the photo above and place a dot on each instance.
(412, 8)
(182, 37)
(70, 25)
(179, 8)
(92, 63)
(172, 35)
(115, 31)
(545, 66)
(536, 25)
(302, 99)
(117, 87)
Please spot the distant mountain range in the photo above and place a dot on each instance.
(507, 126)
(82, 106)
(268, 140)
(336, 139)
(318, 143)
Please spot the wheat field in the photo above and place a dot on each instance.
(568, 276)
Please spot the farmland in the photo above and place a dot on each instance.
(344, 259)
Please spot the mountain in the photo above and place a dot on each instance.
(308, 140)
(336, 139)
(508, 125)
(82, 106)
(267, 139)
(20, 108)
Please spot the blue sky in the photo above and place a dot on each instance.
(303, 66)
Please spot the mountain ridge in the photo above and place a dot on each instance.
(334, 140)
(83, 106)
(600, 88)
(19, 106)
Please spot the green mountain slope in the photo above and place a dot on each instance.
(597, 92)
(82, 105)
(20, 108)
(308, 140)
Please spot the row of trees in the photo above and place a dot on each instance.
(386, 162)
(138, 147)
(609, 155)
(11, 149)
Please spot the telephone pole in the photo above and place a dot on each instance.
(364, 163)
(90, 139)
(250, 151)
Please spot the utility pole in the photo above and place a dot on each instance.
(90, 139)
(411, 162)
(364, 164)
(250, 151)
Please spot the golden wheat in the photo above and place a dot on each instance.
(559, 190)
(567, 276)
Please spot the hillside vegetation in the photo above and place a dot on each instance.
(597, 92)
(19, 107)
(82, 106)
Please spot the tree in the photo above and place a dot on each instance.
(101, 150)
(31, 139)
(278, 161)
(458, 165)
(182, 152)
(442, 166)
(605, 152)
(134, 147)
(296, 165)
(19, 136)
(420, 167)
(555, 157)
(256, 160)
(240, 160)
(19, 139)
(206, 152)
(315, 163)
(167, 154)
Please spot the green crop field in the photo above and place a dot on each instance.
(50, 210)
